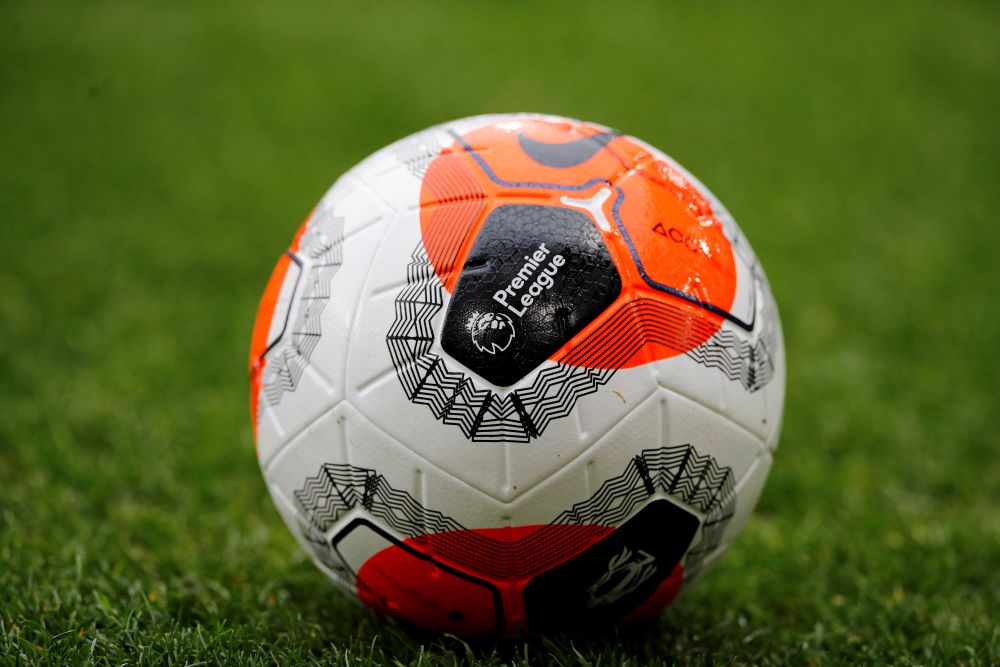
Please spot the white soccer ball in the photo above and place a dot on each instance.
(517, 374)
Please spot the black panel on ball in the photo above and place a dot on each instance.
(535, 276)
(615, 575)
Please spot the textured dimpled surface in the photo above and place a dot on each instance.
(517, 374)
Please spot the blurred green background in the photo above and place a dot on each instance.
(156, 157)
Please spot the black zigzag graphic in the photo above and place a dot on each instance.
(748, 362)
(322, 245)
(524, 414)
(417, 152)
(679, 472)
(452, 396)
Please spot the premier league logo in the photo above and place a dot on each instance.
(491, 332)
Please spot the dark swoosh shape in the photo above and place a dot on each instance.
(567, 154)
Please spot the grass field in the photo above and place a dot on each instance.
(155, 159)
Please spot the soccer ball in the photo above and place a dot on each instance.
(516, 374)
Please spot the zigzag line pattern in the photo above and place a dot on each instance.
(416, 154)
(322, 245)
(644, 320)
(678, 472)
(484, 416)
(748, 362)
(453, 398)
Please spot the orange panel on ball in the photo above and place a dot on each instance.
(675, 262)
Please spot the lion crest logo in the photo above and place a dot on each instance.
(626, 572)
(491, 332)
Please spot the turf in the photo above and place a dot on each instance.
(156, 157)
